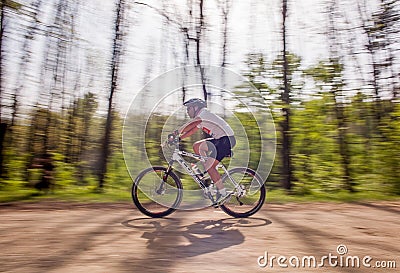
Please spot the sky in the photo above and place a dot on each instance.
(254, 26)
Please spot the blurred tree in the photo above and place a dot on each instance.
(286, 70)
(6, 6)
(192, 26)
(26, 58)
(336, 68)
(382, 36)
(80, 117)
(316, 160)
(285, 124)
(269, 81)
(329, 73)
(115, 65)
(198, 39)
(383, 39)
(54, 74)
(256, 73)
(225, 8)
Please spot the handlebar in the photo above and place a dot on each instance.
(173, 138)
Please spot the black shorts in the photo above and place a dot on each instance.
(220, 148)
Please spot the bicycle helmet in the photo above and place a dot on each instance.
(195, 102)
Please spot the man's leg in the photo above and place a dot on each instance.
(202, 147)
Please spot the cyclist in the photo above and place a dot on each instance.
(217, 146)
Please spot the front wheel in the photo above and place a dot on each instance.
(251, 197)
(157, 193)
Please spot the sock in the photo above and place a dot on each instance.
(222, 191)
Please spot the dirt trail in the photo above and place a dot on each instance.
(64, 237)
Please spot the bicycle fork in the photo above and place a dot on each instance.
(161, 189)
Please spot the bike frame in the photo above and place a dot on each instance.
(177, 157)
(238, 187)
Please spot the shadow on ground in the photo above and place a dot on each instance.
(201, 237)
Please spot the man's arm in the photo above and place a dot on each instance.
(189, 128)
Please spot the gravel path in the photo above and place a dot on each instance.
(65, 237)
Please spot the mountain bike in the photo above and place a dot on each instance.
(157, 191)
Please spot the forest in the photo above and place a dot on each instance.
(327, 71)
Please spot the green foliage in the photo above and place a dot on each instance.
(118, 176)
(387, 156)
(315, 151)
(74, 139)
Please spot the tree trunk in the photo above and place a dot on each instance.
(3, 129)
(26, 50)
(337, 93)
(285, 125)
(343, 145)
(2, 14)
(105, 153)
(198, 43)
(3, 126)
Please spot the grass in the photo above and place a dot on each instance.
(71, 193)
(20, 192)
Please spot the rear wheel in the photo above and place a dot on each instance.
(156, 193)
(253, 193)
